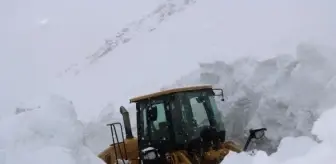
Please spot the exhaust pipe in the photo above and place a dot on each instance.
(127, 122)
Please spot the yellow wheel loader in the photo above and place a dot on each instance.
(175, 126)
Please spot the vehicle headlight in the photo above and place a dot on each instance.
(150, 155)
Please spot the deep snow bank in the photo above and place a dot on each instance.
(97, 133)
(51, 134)
(285, 94)
(300, 150)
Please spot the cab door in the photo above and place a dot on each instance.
(155, 135)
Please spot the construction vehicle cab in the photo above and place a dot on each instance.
(181, 125)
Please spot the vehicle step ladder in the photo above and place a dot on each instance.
(116, 142)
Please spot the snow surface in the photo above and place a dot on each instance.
(51, 134)
(286, 93)
(300, 149)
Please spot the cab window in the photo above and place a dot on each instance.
(161, 115)
(199, 112)
(158, 128)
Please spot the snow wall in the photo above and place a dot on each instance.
(286, 94)
(51, 134)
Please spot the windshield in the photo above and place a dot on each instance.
(199, 112)
(196, 109)
(217, 113)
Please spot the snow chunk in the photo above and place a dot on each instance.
(323, 127)
(97, 134)
(299, 150)
(298, 146)
(51, 134)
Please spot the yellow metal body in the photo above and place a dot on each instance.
(177, 157)
(108, 155)
(170, 91)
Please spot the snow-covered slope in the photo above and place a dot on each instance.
(40, 38)
(283, 93)
(194, 35)
(205, 30)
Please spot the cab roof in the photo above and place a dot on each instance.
(170, 91)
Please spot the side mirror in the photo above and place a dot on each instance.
(257, 133)
(254, 134)
(152, 113)
(220, 94)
